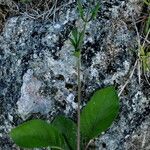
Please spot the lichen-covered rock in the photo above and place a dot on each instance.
(38, 77)
(31, 101)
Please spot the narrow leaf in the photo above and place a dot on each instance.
(36, 134)
(95, 11)
(68, 129)
(81, 36)
(81, 10)
(73, 43)
(100, 112)
(75, 34)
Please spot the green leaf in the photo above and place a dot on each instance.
(99, 113)
(36, 134)
(68, 129)
(77, 39)
(75, 34)
(73, 43)
(81, 37)
(81, 10)
(95, 11)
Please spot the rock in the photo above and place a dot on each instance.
(31, 101)
(38, 77)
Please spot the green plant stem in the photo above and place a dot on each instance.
(79, 101)
(79, 91)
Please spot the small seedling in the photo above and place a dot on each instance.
(63, 133)
(77, 43)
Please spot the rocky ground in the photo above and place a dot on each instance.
(38, 77)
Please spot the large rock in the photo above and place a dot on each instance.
(38, 77)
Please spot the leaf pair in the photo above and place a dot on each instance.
(93, 13)
(37, 133)
(77, 39)
(96, 117)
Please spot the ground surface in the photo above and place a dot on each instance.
(38, 71)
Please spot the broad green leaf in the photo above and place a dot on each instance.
(36, 134)
(68, 129)
(98, 115)
(95, 11)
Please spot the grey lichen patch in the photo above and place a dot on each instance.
(56, 74)
(31, 101)
(139, 102)
(66, 60)
(46, 83)
(140, 139)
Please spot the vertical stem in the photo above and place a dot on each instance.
(79, 101)
(79, 91)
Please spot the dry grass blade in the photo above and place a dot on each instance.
(139, 62)
(131, 74)
(34, 9)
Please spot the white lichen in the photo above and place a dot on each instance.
(31, 101)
